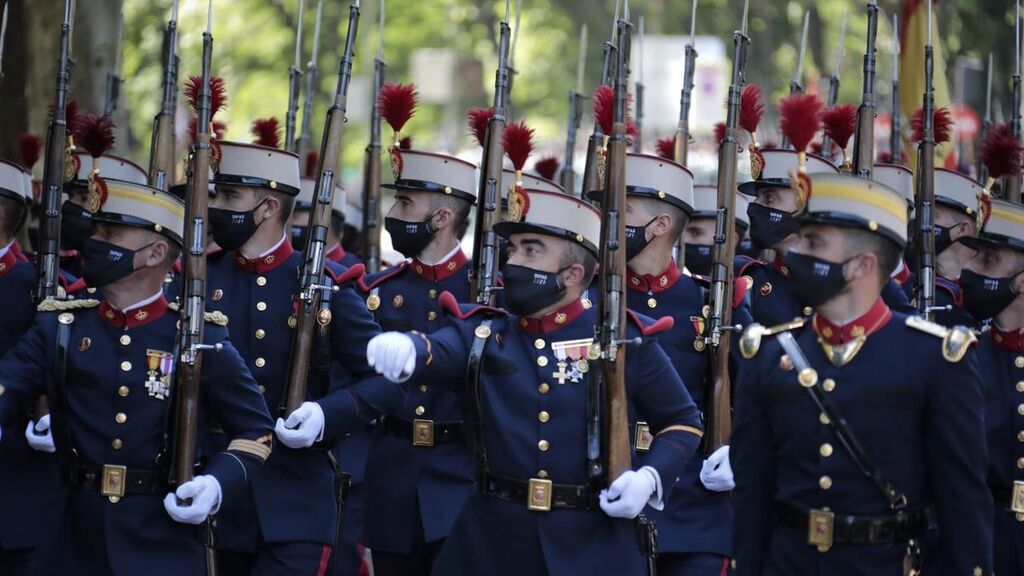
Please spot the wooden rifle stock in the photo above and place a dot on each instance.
(864, 142)
(161, 150)
(371, 179)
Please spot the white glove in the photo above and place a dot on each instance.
(39, 436)
(205, 494)
(393, 355)
(303, 427)
(716, 474)
(629, 493)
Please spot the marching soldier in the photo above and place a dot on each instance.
(534, 511)
(854, 429)
(107, 369)
(335, 235)
(901, 179)
(957, 209)
(699, 233)
(420, 470)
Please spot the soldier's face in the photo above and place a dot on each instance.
(410, 206)
(143, 242)
(235, 198)
(957, 223)
(825, 242)
(996, 262)
(637, 213)
(78, 196)
(699, 232)
(535, 251)
(781, 199)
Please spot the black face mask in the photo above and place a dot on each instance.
(985, 296)
(232, 229)
(814, 281)
(528, 291)
(409, 238)
(943, 239)
(105, 263)
(502, 253)
(768, 227)
(699, 259)
(746, 248)
(75, 226)
(636, 239)
(300, 237)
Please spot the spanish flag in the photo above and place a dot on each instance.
(913, 38)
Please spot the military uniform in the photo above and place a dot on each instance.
(705, 207)
(908, 389)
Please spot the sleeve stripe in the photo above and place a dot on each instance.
(251, 447)
(680, 428)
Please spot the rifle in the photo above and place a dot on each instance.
(592, 168)
(294, 86)
(1012, 183)
(54, 168)
(895, 144)
(161, 150)
(371, 168)
(485, 241)
(796, 84)
(114, 78)
(682, 136)
(190, 346)
(313, 314)
(924, 193)
(576, 97)
(311, 85)
(833, 83)
(986, 123)
(719, 416)
(864, 142)
(3, 38)
(638, 141)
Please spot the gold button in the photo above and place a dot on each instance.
(432, 294)
(543, 445)
(829, 384)
(420, 410)
(823, 419)
(263, 389)
(122, 391)
(120, 418)
(125, 339)
(825, 450)
(543, 416)
(1019, 361)
(652, 303)
(542, 474)
(261, 306)
(431, 316)
(1019, 517)
(1020, 463)
(117, 443)
(126, 366)
(825, 482)
(543, 388)
(260, 362)
(539, 343)
(260, 334)
(1020, 386)
(1020, 436)
(261, 281)
(1020, 409)
(423, 387)
(542, 361)
(808, 311)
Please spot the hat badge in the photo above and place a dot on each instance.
(518, 204)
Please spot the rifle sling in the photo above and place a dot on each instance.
(474, 404)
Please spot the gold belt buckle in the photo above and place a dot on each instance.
(643, 439)
(819, 529)
(422, 432)
(1017, 501)
(539, 495)
(113, 481)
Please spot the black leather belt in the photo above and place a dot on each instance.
(538, 493)
(116, 481)
(424, 432)
(896, 528)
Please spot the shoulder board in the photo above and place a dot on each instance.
(213, 317)
(742, 263)
(367, 283)
(649, 326)
(356, 273)
(955, 341)
(52, 305)
(954, 290)
(750, 340)
(462, 311)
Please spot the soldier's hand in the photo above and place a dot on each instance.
(716, 474)
(393, 355)
(39, 436)
(629, 493)
(303, 427)
(205, 495)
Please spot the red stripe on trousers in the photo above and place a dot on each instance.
(325, 557)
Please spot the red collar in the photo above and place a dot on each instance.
(655, 284)
(780, 266)
(134, 318)
(871, 322)
(1012, 340)
(440, 271)
(267, 262)
(337, 254)
(903, 275)
(8, 262)
(553, 321)
(18, 252)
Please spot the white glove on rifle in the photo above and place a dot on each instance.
(716, 474)
(629, 493)
(303, 427)
(39, 435)
(393, 355)
(205, 494)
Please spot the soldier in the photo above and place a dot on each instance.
(993, 286)
(901, 179)
(335, 235)
(699, 232)
(288, 524)
(534, 512)
(420, 470)
(841, 451)
(107, 369)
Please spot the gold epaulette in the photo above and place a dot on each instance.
(955, 341)
(215, 317)
(750, 341)
(53, 305)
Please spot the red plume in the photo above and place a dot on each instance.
(751, 108)
(478, 119)
(1001, 152)
(886, 158)
(518, 143)
(218, 93)
(312, 161)
(219, 128)
(719, 132)
(267, 132)
(840, 122)
(666, 147)
(604, 108)
(30, 146)
(942, 121)
(397, 104)
(547, 167)
(817, 147)
(405, 143)
(800, 119)
(94, 133)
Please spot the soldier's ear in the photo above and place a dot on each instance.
(157, 253)
(662, 224)
(443, 217)
(573, 276)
